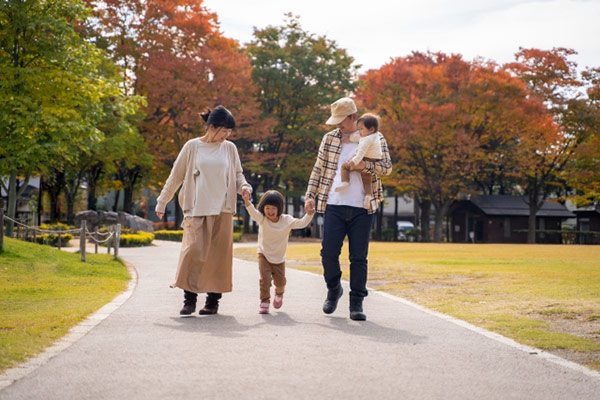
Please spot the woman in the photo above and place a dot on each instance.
(211, 173)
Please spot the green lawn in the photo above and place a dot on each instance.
(45, 292)
(546, 296)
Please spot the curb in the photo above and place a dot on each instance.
(12, 375)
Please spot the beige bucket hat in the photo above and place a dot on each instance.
(340, 110)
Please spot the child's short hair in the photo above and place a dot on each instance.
(271, 198)
(370, 121)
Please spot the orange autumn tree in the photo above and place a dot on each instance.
(454, 126)
(550, 151)
(178, 59)
(583, 174)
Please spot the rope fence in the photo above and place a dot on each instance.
(111, 238)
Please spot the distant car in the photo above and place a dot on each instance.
(403, 228)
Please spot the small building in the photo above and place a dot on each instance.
(588, 220)
(503, 219)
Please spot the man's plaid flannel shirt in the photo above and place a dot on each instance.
(325, 167)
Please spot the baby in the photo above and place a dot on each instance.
(369, 149)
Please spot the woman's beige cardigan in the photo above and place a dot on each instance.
(183, 171)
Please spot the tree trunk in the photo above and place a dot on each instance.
(378, 222)
(39, 200)
(395, 217)
(440, 212)
(116, 203)
(534, 207)
(178, 212)
(70, 197)
(93, 175)
(425, 206)
(12, 201)
(54, 187)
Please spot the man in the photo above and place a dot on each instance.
(343, 210)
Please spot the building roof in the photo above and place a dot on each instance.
(587, 209)
(517, 206)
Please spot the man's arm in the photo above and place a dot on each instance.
(315, 175)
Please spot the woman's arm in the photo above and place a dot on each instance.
(174, 181)
(240, 180)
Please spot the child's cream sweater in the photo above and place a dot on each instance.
(273, 236)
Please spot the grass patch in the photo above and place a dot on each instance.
(45, 292)
(545, 296)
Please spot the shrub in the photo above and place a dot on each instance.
(51, 239)
(174, 236)
(237, 236)
(136, 239)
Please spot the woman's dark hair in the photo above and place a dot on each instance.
(271, 198)
(219, 117)
(370, 121)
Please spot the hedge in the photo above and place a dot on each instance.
(51, 239)
(177, 236)
(137, 239)
(174, 236)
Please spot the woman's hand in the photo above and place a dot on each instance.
(246, 196)
(160, 215)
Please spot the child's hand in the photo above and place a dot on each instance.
(350, 164)
(310, 211)
(345, 139)
(246, 197)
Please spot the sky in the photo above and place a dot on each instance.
(375, 31)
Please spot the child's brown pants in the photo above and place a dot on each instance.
(269, 271)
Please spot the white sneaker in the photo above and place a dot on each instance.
(342, 186)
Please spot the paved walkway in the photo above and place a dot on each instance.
(143, 350)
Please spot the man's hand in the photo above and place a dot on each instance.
(309, 206)
(358, 167)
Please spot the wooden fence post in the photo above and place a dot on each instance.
(82, 239)
(117, 240)
(96, 241)
(109, 240)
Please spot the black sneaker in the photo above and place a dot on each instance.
(187, 310)
(331, 302)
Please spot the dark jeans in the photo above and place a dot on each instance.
(355, 222)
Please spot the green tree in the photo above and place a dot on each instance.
(298, 74)
(51, 89)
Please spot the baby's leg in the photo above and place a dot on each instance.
(345, 171)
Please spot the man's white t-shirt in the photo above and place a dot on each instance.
(353, 195)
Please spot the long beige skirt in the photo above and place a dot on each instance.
(206, 258)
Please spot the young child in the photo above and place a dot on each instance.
(369, 148)
(273, 231)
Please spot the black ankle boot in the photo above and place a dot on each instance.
(331, 302)
(356, 310)
(189, 303)
(211, 306)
